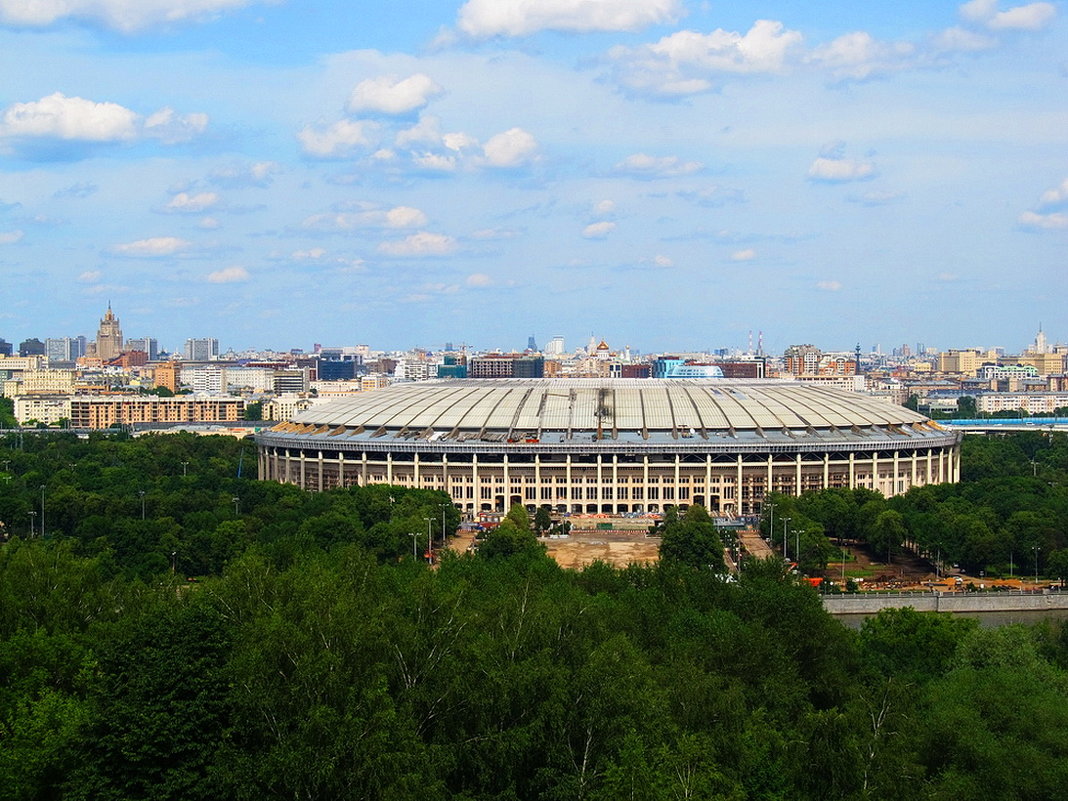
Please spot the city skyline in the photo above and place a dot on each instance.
(666, 174)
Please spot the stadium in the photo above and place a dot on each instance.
(610, 446)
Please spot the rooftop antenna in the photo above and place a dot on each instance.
(750, 350)
(760, 343)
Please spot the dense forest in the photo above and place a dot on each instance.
(314, 657)
(1008, 514)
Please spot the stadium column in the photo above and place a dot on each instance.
(893, 481)
(738, 489)
(875, 471)
(341, 468)
(708, 481)
(797, 476)
(645, 481)
(826, 470)
(476, 502)
(389, 467)
(320, 471)
(930, 465)
(507, 485)
(303, 470)
(678, 483)
(852, 470)
(363, 468)
(445, 476)
(771, 477)
(537, 477)
(615, 483)
(415, 470)
(261, 465)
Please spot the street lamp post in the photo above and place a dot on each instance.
(414, 537)
(142, 494)
(443, 506)
(1036, 549)
(33, 515)
(797, 547)
(184, 466)
(785, 520)
(771, 524)
(429, 540)
(42, 511)
(237, 506)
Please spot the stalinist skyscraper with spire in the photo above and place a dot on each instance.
(108, 336)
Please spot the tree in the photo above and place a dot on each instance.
(254, 410)
(519, 516)
(543, 520)
(508, 539)
(692, 540)
(887, 533)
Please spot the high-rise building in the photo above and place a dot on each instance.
(5, 347)
(61, 349)
(31, 347)
(109, 336)
(147, 344)
(555, 347)
(201, 349)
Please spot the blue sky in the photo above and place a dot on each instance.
(668, 174)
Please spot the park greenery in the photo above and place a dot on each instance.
(1007, 516)
(315, 657)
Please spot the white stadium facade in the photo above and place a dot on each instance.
(610, 446)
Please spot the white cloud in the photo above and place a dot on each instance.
(425, 132)
(437, 162)
(748, 254)
(513, 148)
(420, 244)
(459, 141)
(833, 167)
(10, 237)
(70, 118)
(642, 165)
(1030, 17)
(859, 55)
(687, 61)
(957, 39)
(192, 204)
(89, 276)
(208, 223)
(313, 254)
(229, 275)
(478, 280)
(335, 141)
(387, 95)
(260, 173)
(663, 261)
(829, 286)
(604, 208)
(127, 16)
(397, 217)
(484, 18)
(598, 230)
(1055, 197)
(152, 248)
(172, 128)
(75, 119)
(1048, 222)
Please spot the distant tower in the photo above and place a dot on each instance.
(1041, 346)
(760, 343)
(856, 367)
(531, 344)
(109, 336)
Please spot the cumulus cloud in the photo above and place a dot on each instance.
(832, 166)
(427, 131)
(641, 165)
(513, 148)
(389, 95)
(598, 230)
(687, 62)
(58, 117)
(1054, 198)
(1030, 17)
(829, 286)
(663, 261)
(172, 128)
(186, 203)
(478, 280)
(420, 244)
(1048, 222)
(436, 162)
(89, 276)
(485, 18)
(748, 254)
(229, 275)
(256, 174)
(604, 208)
(10, 237)
(335, 141)
(313, 254)
(154, 247)
(127, 16)
(859, 55)
(367, 217)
